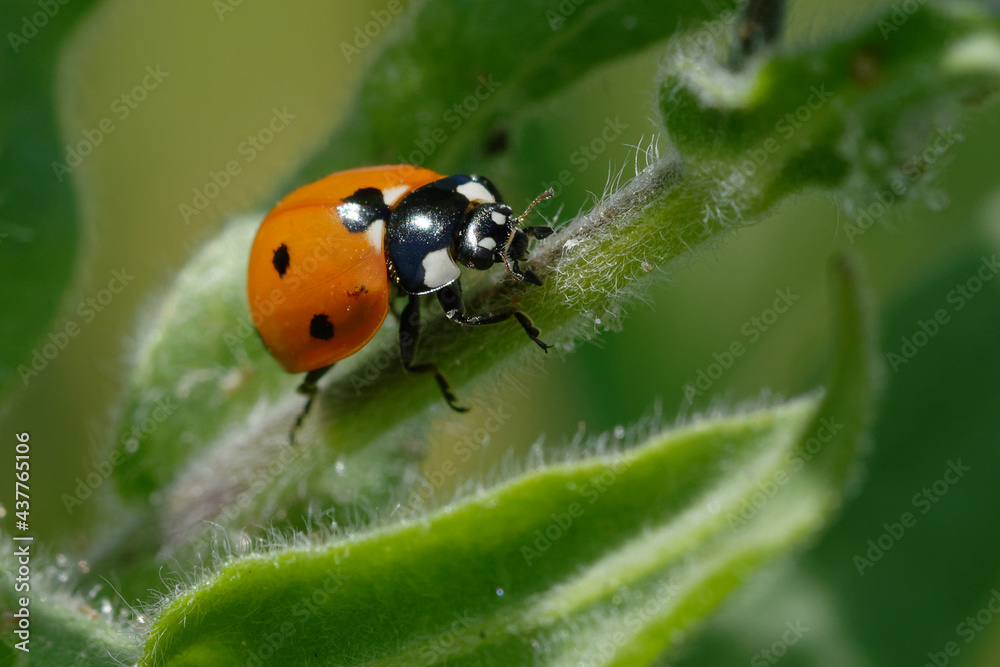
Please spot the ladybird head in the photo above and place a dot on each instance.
(492, 234)
(483, 238)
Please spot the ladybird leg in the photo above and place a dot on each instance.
(532, 278)
(309, 387)
(527, 274)
(450, 297)
(538, 231)
(409, 332)
(518, 252)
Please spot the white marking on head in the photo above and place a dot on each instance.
(488, 243)
(439, 269)
(376, 234)
(475, 192)
(499, 218)
(391, 195)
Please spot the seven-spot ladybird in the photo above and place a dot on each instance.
(329, 256)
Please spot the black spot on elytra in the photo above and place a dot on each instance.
(280, 260)
(361, 209)
(321, 327)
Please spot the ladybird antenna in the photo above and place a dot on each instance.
(518, 277)
(540, 198)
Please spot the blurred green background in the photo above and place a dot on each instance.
(228, 71)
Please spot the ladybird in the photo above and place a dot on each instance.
(329, 258)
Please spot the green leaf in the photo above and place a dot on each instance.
(933, 432)
(609, 560)
(200, 351)
(455, 81)
(222, 457)
(38, 216)
(62, 629)
(858, 599)
(854, 115)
